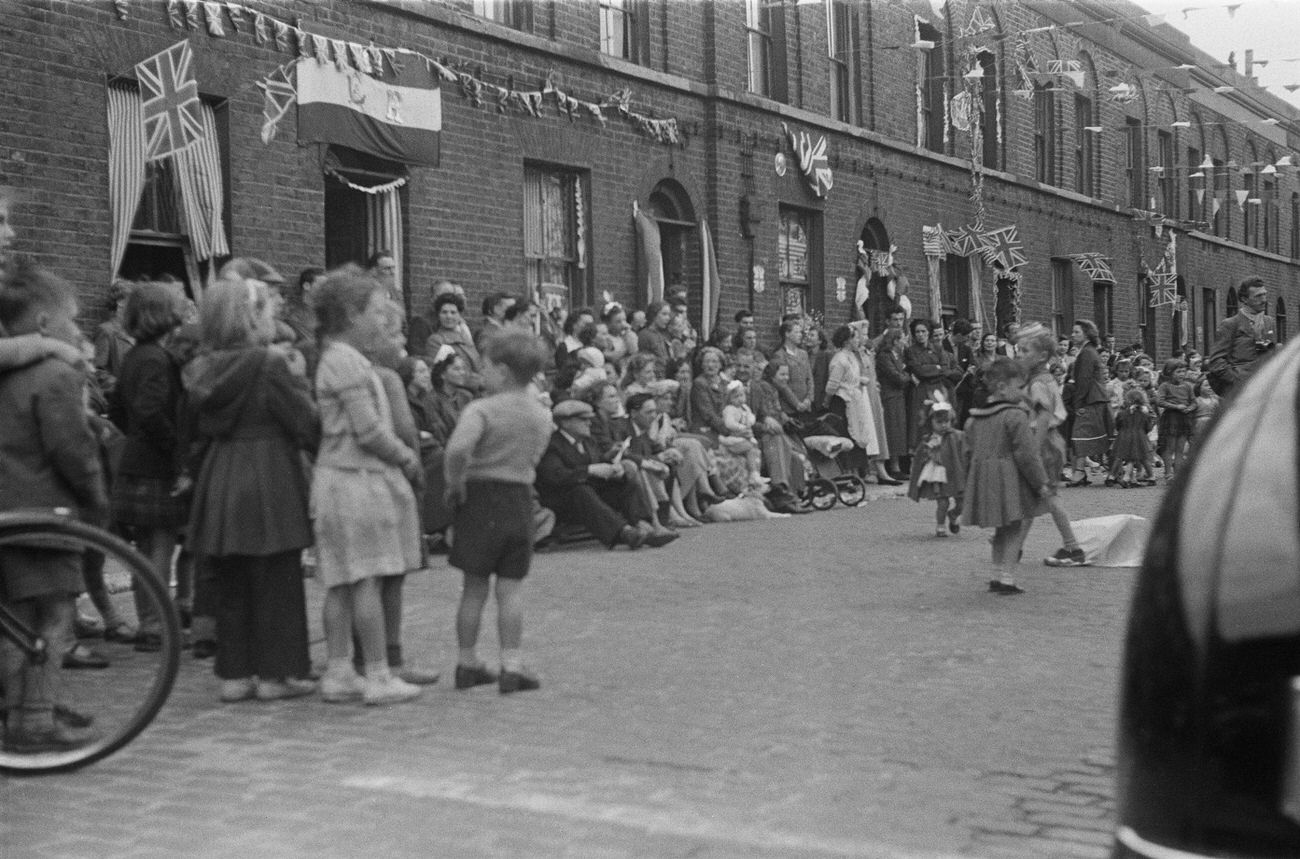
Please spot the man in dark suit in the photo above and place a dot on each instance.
(1243, 341)
(581, 489)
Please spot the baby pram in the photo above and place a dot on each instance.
(830, 452)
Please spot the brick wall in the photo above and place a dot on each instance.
(463, 219)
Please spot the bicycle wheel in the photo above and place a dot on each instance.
(97, 710)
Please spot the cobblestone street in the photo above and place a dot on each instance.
(839, 684)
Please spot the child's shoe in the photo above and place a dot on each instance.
(940, 532)
(387, 689)
(339, 688)
(237, 690)
(469, 676)
(954, 523)
(279, 690)
(1004, 589)
(517, 681)
(1067, 558)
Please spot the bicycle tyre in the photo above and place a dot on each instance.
(55, 531)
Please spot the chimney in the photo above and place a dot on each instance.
(1250, 62)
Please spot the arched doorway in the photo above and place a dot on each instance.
(679, 244)
(875, 239)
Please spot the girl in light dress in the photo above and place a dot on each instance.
(739, 419)
(1207, 403)
(365, 516)
(939, 469)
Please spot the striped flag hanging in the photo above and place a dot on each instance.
(169, 101)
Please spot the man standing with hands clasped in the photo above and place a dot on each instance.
(1243, 341)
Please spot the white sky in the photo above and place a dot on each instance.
(1270, 27)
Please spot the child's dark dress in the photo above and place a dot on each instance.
(950, 455)
(1131, 443)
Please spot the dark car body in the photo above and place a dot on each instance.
(1209, 721)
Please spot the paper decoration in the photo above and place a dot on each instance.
(236, 13)
(932, 241)
(813, 163)
(1003, 248)
(175, 15)
(281, 35)
(261, 29)
(1123, 93)
(1164, 288)
(959, 111)
(169, 100)
(123, 9)
(979, 23)
(192, 20)
(1241, 197)
(212, 12)
(1096, 266)
(278, 96)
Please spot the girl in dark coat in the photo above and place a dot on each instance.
(149, 493)
(939, 469)
(255, 417)
(1087, 401)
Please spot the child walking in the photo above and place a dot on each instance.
(365, 518)
(1132, 447)
(48, 459)
(1005, 480)
(490, 466)
(1176, 400)
(939, 469)
(1207, 403)
(1047, 414)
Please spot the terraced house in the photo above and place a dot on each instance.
(1048, 160)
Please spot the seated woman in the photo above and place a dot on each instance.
(449, 310)
(439, 410)
(697, 465)
(782, 456)
(707, 399)
(611, 437)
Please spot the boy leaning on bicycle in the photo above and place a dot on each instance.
(48, 459)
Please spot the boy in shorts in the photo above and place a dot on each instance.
(48, 459)
(490, 465)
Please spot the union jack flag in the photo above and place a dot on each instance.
(170, 102)
(1096, 266)
(1164, 288)
(1003, 248)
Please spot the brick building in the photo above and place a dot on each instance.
(1094, 129)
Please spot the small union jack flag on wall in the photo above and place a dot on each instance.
(170, 101)
(1003, 248)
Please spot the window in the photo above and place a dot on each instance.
(513, 13)
(1295, 225)
(1209, 319)
(841, 37)
(1270, 213)
(1195, 206)
(555, 238)
(1084, 155)
(1133, 163)
(955, 287)
(1179, 317)
(1062, 296)
(932, 98)
(798, 261)
(1280, 319)
(1146, 317)
(1103, 306)
(1230, 303)
(1218, 206)
(624, 31)
(1045, 135)
(765, 37)
(1166, 184)
(990, 96)
(1250, 218)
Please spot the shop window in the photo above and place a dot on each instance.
(798, 261)
(625, 29)
(555, 236)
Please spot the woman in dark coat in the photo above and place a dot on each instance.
(892, 376)
(255, 417)
(1087, 402)
(934, 371)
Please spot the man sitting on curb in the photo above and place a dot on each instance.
(582, 490)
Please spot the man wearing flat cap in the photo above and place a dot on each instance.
(582, 490)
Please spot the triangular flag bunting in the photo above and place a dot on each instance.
(279, 96)
(212, 11)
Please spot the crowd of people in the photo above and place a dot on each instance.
(365, 441)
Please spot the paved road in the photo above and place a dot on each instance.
(831, 685)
